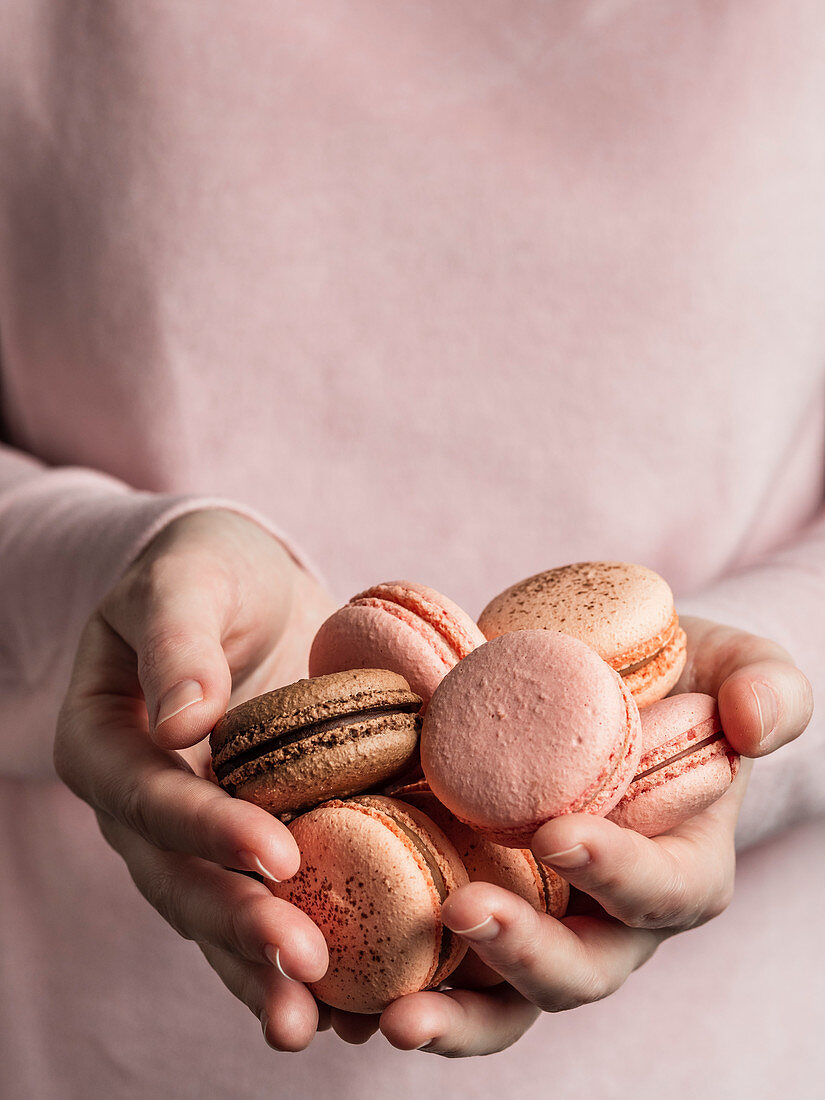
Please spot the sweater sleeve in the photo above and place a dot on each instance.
(781, 597)
(66, 535)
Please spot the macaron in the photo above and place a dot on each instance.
(624, 611)
(399, 625)
(529, 726)
(514, 869)
(687, 763)
(374, 874)
(317, 739)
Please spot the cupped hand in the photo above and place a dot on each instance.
(630, 892)
(213, 612)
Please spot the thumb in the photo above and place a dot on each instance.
(174, 620)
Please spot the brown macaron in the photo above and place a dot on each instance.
(326, 737)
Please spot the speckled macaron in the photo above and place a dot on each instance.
(317, 739)
(374, 874)
(687, 763)
(514, 869)
(624, 611)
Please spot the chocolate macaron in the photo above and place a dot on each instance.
(317, 739)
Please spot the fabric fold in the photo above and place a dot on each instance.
(66, 535)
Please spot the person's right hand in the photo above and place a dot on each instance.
(213, 612)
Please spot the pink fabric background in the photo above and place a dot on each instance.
(448, 291)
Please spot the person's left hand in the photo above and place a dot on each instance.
(631, 892)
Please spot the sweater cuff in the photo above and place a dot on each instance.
(66, 536)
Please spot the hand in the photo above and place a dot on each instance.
(630, 892)
(213, 612)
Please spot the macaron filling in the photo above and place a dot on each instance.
(452, 642)
(632, 660)
(318, 729)
(696, 748)
(441, 889)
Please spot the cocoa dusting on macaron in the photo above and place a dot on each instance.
(622, 610)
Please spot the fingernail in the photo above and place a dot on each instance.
(250, 862)
(767, 705)
(264, 1021)
(178, 698)
(274, 955)
(487, 929)
(424, 1045)
(569, 859)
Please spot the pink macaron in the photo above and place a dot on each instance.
(686, 764)
(532, 725)
(374, 874)
(623, 610)
(405, 627)
(514, 869)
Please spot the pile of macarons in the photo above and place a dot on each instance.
(425, 750)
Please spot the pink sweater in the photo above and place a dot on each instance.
(453, 291)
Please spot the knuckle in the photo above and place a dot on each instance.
(590, 985)
(139, 803)
(597, 986)
(133, 808)
(161, 645)
(669, 908)
(165, 893)
(209, 828)
(61, 756)
(719, 902)
(63, 748)
(240, 919)
(565, 998)
(524, 955)
(108, 828)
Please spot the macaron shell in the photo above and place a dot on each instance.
(368, 888)
(317, 739)
(448, 860)
(677, 793)
(302, 703)
(660, 674)
(532, 725)
(334, 765)
(514, 869)
(408, 628)
(434, 608)
(674, 792)
(617, 608)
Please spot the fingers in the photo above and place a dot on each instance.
(353, 1027)
(115, 768)
(173, 614)
(231, 912)
(673, 882)
(764, 706)
(459, 1023)
(764, 699)
(207, 599)
(556, 965)
(286, 1009)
